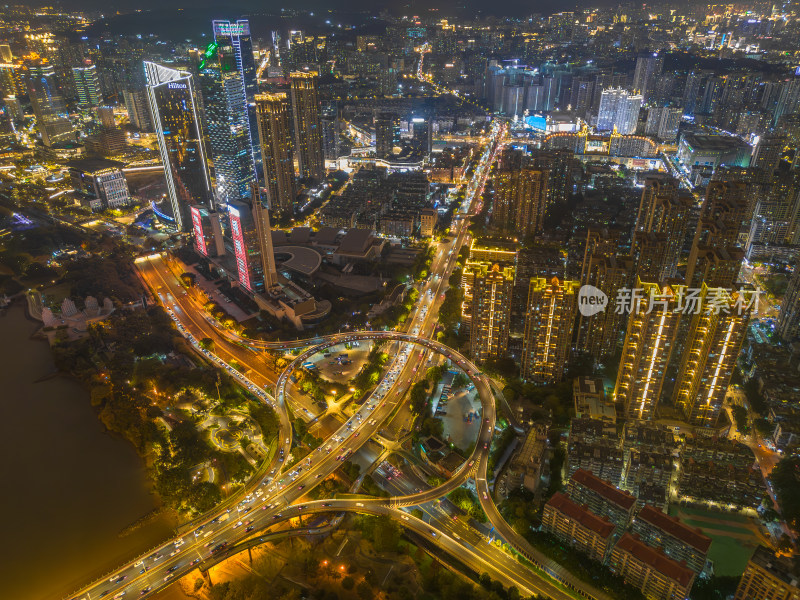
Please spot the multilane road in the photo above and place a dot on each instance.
(274, 495)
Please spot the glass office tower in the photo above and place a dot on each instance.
(236, 35)
(180, 140)
(227, 122)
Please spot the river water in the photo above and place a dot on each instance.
(69, 488)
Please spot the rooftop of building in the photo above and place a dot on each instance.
(655, 558)
(561, 502)
(674, 527)
(494, 245)
(300, 235)
(355, 241)
(93, 165)
(781, 567)
(604, 489)
(327, 236)
(588, 385)
(298, 258)
(707, 142)
(451, 462)
(483, 268)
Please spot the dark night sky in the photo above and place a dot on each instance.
(462, 8)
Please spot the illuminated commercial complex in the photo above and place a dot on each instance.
(252, 246)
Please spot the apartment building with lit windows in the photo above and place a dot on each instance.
(768, 577)
(577, 526)
(649, 569)
(716, 332)
(549, 322)
(649, 340)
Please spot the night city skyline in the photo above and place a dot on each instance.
(400, 301)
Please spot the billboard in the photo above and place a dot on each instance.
(239, 249)
(199, 235)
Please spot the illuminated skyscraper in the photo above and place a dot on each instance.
(421, 135)
(227, 123)
(716, 332)
(789, 318)
(252, 245)
(138, 113)
(207, 231)
(307, 128)
(665, 209)
(387, 133)
(618, 109)
(236, 35)
(180, 140)
(329, 120)
(549, 324)
(768, 153)
(276, 151)
(601, 333)
(87, 84)
(649, 340)
(649, 66)
(723, 224)
(521, 197)
(491, 309)
(52, 119)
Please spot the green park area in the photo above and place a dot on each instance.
(735, 537)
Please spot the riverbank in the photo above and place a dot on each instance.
(77, 501)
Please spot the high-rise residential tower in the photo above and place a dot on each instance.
(87, 84)
(789, 318)
(768, 153)
(491, 309)
(276, 151)
(768, 576)
(180, 140)
(138, 112)
(649, 340)
(665, 209)
(307, 127)
(329, 121)
(717, 329)
(723, 223)
(386, 133)
(521, 198)
(649, 66)
(600, 334)
(619, 109)
(549, 323)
